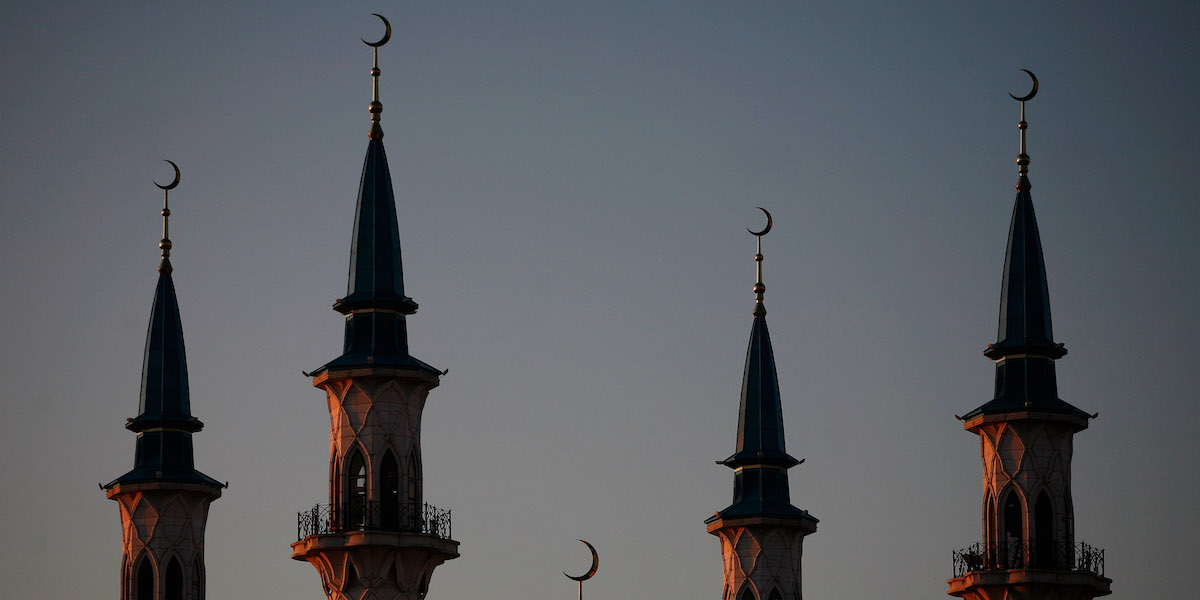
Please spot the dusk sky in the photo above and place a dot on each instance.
(573, 182)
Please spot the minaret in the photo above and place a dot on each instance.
(376, 538)
(762, 534)
(1025, 435)
(164, 499)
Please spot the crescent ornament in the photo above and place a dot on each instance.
(592, 570)
(387, 34)
(767, 229)
(1032, 92)
(170, 186)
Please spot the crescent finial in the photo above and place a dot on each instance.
(387, 34)
(592, 571)
(170, 186)
(767, 229)
(1032, 92)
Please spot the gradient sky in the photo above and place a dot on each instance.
(573, 182)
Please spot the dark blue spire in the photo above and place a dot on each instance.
(761, 461)
(375, 305)
(1025, 350)
(164, 423)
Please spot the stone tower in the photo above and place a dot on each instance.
(761, 533)
(1028, 551)
(164, 499)
(376, 538)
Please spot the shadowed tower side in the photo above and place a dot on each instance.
(761, 533)
(376, 538)
(1028, 551)
(164, 500)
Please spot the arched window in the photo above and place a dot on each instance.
(775, 595)
(1012, 547)
(389, 492)
(197, 580)
(356, 490)
(747, 594)
(145, 579)
(1043, 537)
(174, 581)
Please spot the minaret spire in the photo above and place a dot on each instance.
(375, 304)
(164, 482)
(762, 509)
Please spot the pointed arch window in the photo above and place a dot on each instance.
(197, 579)
(389, 488)
(775, 595)
(145, 579)
(747, 594)
(1012, 546)
(174, 581)
(356, 490)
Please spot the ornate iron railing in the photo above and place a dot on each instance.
(1022, 554)
(367, 515)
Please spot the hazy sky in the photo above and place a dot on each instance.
(573, 182)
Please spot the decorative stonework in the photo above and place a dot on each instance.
(161, 522)
(761, 557)
(374, 413)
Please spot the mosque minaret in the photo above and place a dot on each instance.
(376, 538)
(1029, 550)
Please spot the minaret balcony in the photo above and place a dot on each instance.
(372, 516)
(1023, 554)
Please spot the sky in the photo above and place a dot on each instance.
(573, 182)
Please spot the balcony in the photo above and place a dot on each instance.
(367, 515)
(1022, 554)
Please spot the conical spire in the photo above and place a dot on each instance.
(375, 304)
(164, 423)
(761, 460)
(1025, 350)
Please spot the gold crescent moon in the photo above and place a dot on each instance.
(591, 571)
(387, 34)
(170, 186)
(1032, 92)
(767, 229)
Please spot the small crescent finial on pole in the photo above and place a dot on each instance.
(759, 289)
(590, 572)
(376, 107)
(1023, 184)
(164, 266)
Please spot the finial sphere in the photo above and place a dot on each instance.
(170, 186)
(387, 34)
(1032, 92)
(767, 229)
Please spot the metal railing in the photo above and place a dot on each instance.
(369, 515)
(1029, 554)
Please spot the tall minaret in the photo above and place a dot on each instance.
(1025, 435)
(164, 499)
(376, 538)
(762, 534)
